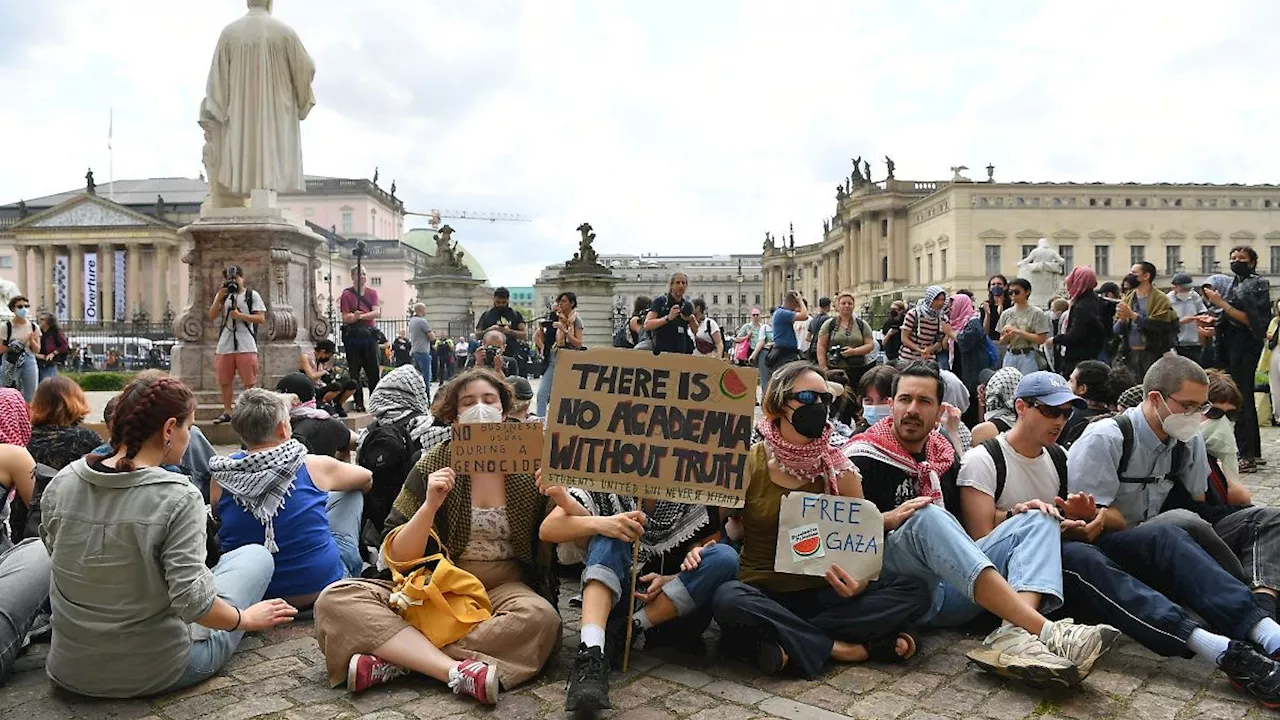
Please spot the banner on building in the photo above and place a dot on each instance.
(120, 298)
(61, 273)
(91, 287)
(668, 427)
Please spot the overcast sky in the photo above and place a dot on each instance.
(672, 126)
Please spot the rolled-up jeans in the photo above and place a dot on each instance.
(932, 546)
(609, 562)
(344, 510)
(24, 586)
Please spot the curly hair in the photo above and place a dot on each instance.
(145, 405)
(445, 409)
(59, 402)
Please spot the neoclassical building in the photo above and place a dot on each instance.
(892, 238)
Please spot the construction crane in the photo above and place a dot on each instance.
(435, 216)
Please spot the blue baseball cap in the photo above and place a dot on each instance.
(1049, 388)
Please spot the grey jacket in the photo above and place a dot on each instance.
(128, 554)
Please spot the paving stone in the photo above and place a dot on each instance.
(880, 705)
(725, 712)
(785, 685)
(1211, 709)
(646, 713)
(384, 715)
(1170, 687)
(955, 700)
(270, 668)
(519, 707)
(324, 711)
(688, 702)
(637, 692)
(825, 696)
(735, 692)
(254, 707)
(1085, 703)
(859, 679)
(198, 706)
(792, 710)
(276, 685)
(290, 647)
(916, 684)
(433, 706)
(383, 696)
(322, 693)
(1113, 682)
(218, 682)
(925, 715)
(1008, 705)
(681, 675)
(1148, 706)
(945, 663)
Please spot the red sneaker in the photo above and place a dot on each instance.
(476, 679)
(365, 671)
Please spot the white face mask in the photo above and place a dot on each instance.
(480, 413)
(1179, 426)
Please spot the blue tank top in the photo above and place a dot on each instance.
(308, 559)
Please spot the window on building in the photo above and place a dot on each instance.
(1172, 258)
(1026, 250)
(1102, 260)
(374, 281)
(346, 222)
(6, 261)
(942, 259)
(884, 269)
(1275, 260)
(991, 253)
(884, 227)
(757, 298)
(1207, 258)
(1137, 254)
(929, 262)
(919, 276)
(1068, 253)
(815, 272)
(715, 299)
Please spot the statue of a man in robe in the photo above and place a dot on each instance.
(1043, 268)
(258, 94)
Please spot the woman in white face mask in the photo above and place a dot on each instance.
(488, 523)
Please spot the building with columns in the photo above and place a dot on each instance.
(891, 239)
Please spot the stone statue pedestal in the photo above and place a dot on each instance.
(448, 297)
(279, 259)
(594, 288)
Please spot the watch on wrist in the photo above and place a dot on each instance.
(1008, 514)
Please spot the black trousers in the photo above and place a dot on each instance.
(808, 622)
(362, 358)
(1242, 363)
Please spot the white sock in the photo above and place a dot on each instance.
(593, 636)
(1207, 645)
(1046, 631)
(642, 617)
(1267, 634)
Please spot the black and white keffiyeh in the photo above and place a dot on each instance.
(260, 481)
(402, 395)
(669, 525)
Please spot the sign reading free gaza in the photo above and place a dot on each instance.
(818, 531)
(665, 427)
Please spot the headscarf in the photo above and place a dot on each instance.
(1081, 280)
(955, 393)
(1221, 283)
(1001, 388)
(1131, 398)
(879, 442)
(15, 418)
(962, 311)
(402, 395)
(925, 305)
(813, 459)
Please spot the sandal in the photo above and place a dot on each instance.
(885, 648)
(770, 658)
(1248, 465)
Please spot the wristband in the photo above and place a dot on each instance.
(238, 618)
(1008, 514)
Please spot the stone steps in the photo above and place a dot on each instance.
(223, 435)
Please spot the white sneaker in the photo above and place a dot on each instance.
(1083, 645)
(1014, 653)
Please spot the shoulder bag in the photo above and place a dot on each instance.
(439, 599)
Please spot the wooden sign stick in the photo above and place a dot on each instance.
(631, 600)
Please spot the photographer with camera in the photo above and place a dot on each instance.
(492, 355)
(331, 392)
(360, 308)
(242, 311)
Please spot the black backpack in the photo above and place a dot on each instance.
(622, 336)
(1056, 453)
(388, 452)
(1126, 451)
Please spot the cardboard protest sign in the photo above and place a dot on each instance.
(818, 531)
(502, 447)
(666, 427)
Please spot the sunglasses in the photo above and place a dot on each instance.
(1050, 411)
(811, 397)
(1214, 413)
(1014, 292)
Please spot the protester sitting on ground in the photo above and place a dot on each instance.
(1000, 415)
(875, 394)
(331, 393)
(909, 471)
(1108, 576)
(779, 621)
(24, 574)
(488, 523)
(316, 429)
(522, 411)
(1218, 431)
(17, 468)
(598, 529)
(303, 508)
(122, 612)
(57, 437)
(1088, 380)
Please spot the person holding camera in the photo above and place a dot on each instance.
(242, 311)
(561, 329)
(330, 391)
(492, 355)
(670, 321)
(360, 308)
(506, 320)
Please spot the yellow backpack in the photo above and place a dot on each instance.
(437, 597)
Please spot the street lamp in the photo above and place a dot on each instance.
(742, 299)
(333, 233)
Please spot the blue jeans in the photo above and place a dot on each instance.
(28, 375)
(544, 387)
(422, 362)
(48, 372)
(345, 510)
(24, 587)
(609, 562)
(241, 577)
(1025, 362)
(1025, 550)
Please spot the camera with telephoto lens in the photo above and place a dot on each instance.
(231, 286)
(490, 354)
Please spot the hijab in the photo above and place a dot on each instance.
(1001, 388)
(402, 395)
(1221, 283)
(1081, 280)
(925, 306)
(962, 311)
(15, 418)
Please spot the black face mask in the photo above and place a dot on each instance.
(1241, 269)
(810, 420)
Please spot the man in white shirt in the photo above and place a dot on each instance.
(1111, 575)
(241, 311)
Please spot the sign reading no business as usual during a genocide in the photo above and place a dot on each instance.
(502, 447)
(667, 427)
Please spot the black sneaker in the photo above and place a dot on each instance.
(588, 689)
(1252, 672)
(341, 411)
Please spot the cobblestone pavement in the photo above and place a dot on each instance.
(280, 674)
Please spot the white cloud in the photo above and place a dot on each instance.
(672, 127)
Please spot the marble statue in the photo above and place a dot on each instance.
(586, 253)
(8, 291)
(447, 253)
(956, 171)
(258, 94)
(1043, 267)
(857, 170)
(768, 241)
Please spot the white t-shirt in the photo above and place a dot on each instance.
(236, 336)
(1025, 478)
(706, 329)
(461, 349)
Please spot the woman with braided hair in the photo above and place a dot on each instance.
(135, 609)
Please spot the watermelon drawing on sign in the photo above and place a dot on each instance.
(732, 385)
(806, 542)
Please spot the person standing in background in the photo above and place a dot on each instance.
(360, 308)
(1189, 307)
(421, 338)
(53, 347)
(815, 324)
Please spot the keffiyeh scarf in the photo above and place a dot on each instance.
(1001, 388)
(666, 528)
(402, 395)
(260, 481)
(881, 443)
(925, 306)
(15, 418)
(806, 462)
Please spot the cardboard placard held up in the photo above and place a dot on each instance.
(503, 447)
(667, 427)
(818, 531)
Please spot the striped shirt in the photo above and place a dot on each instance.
(924, 330)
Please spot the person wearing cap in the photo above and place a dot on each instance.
(1107, 568)
(319, 432)
(524, 394)
(1189, 306)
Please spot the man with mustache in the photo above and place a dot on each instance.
(907, 467)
